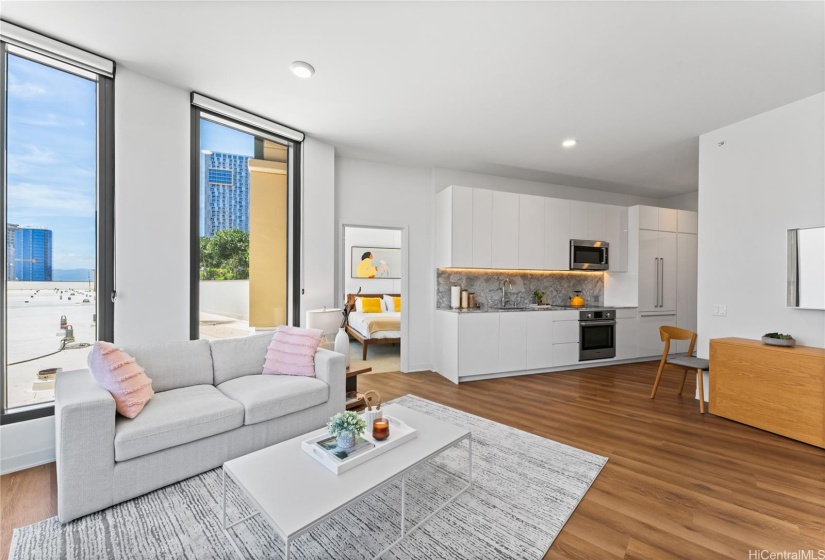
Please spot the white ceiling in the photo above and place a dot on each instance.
(492, 87)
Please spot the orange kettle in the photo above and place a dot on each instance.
(577, 300)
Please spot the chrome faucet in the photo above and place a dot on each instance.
(505, 285)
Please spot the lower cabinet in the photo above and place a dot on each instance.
(512, 341)
(565, 338)
(478, 343)
(627, 346)
(648, 337)
(539, 339)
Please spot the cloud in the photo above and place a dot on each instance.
(24, 89)
(33, 202)
(50, 120)
(30, 153)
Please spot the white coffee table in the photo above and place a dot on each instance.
(294, 492)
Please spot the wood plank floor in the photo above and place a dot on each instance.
(677, 484)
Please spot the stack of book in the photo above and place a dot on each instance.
(330, 446)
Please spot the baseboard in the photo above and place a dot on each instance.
(26, 460)
(419, 367)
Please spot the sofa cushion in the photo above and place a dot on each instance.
(265, 397)
(236, 357)
(173, 365)
(176, 417)
(119, 373)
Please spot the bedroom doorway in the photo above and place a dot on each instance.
(373, 269)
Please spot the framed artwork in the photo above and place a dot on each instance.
(376, 262)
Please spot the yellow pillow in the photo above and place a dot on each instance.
(371, 304)
(397, 302)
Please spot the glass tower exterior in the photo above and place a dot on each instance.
(226, 193)
(29, 253)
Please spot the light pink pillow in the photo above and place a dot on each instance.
(117, 372)
(292, 351)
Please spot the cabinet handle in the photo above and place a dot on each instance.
(657, 283)
(662, 277)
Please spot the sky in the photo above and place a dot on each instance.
(52, 157)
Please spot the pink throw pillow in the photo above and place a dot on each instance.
(292, 351)
(117, 372)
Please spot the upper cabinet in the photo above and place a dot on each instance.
(505, 230)
(687, 222)
(479, 228)
(658, 219)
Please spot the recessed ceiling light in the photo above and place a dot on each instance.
(569, 143)
(302, 69)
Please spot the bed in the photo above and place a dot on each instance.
(373, 328)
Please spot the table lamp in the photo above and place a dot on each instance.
(328, 320)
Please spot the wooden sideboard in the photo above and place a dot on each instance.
(781, 390)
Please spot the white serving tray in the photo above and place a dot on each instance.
(399, 433)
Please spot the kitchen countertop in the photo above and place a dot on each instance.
(534, 308)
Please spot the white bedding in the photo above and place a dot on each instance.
(357, 322)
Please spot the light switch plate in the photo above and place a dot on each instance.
(720, 310)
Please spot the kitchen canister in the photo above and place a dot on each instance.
(471, 300)
(455, 297)
(465, 299)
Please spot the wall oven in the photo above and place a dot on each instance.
(587, 254)
(597, 334)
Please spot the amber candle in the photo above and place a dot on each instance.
(381, 428)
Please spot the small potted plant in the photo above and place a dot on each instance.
(779, 339)
(538, 295)
(346, 426)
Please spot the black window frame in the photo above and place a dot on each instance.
(105, 229)
(294, 184)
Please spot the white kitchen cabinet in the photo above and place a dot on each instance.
(687, 222)
(531, 232)
(648, 337)
(686, 285)
(627, 347)
(454, 227)
(565, 331)
(482, 228)
(446, 350)
(657, 270)
(565, 354)
(478, 342)
(505, 230)
(615, 218)
(579, 220)
(539, 339)
(556, 234)
(597, 221)
(658, 219)
(512, 340)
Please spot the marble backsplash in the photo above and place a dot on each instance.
(486, 284)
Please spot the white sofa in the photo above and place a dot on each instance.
(211, 404)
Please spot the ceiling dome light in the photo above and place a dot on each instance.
(569, 143)
(302, 69)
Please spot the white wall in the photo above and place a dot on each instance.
(229, 298)
(151, 210)
(768, 177)
(318, 227)
(26, 444)
(383, 195)
(369, 237)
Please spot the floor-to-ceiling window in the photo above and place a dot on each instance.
(247, 200)
(56, 207)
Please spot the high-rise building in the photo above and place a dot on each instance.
(225, 193)
(29, 253)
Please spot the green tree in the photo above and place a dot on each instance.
(225, 255)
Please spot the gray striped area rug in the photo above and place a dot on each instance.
(525, 487)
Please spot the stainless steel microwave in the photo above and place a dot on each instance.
(589, 255)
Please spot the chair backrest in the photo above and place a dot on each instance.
(675, 333)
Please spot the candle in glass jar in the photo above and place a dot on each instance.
(381, 428)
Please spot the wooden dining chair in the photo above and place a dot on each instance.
(687, 362)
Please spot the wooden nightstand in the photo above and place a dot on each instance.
(355, 369)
